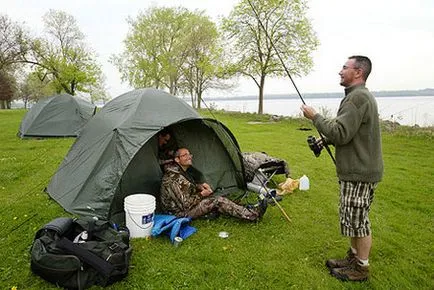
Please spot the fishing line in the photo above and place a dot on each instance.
(35, 188)
(18, 226)
(39, 159)
(218, 122)
(236, 145)
(411, 108)
(288, 74)
(263, 185)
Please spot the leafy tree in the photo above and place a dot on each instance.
(171, 48)
(63, 57)
(204, 62)
(289, 30)
(154, 49)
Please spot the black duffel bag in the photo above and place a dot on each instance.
(79, 253)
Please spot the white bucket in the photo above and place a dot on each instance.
(139, 214)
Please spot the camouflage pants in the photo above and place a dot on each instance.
(223, 206)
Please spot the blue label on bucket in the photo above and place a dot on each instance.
(147, 218)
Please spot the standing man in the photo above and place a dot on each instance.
(184, 194)
(355, 133)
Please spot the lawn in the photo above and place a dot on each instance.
(272, 254)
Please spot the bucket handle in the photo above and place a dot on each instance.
(143, 228)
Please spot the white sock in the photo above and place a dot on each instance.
(354, 251)
(364, 263)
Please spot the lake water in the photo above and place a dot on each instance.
(410, 110)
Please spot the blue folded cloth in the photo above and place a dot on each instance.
(172, 226)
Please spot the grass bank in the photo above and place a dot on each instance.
(272, 254)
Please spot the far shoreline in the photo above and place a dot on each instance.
(378, 94)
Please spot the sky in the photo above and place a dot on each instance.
(397, 35)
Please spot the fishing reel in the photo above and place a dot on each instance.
(315, 145)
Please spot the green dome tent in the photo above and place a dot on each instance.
(57, 116)
(116, 153)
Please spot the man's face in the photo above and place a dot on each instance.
(185, 159)
(162, 140)
(349, 73)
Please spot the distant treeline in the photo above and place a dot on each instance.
(405, 93)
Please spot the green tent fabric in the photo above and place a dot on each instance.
(56, 116)
(116, 153)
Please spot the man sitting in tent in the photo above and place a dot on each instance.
(183, 194)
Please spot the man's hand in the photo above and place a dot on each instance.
(308, 111)
(205, 189)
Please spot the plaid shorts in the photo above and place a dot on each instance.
(354, 205)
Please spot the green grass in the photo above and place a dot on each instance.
(272, 254)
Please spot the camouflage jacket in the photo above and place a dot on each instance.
(178, 191)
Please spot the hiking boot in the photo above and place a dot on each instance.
(354, 272)
(341, 263)
(258, 209)
(262, 207)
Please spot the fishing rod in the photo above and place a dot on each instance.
(288, 74)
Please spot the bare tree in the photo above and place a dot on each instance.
(13, 40)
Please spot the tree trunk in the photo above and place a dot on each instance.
(5, 104)
(73, 85)
(193, 100)
(199, 99)
(261, 96)
(171, 88)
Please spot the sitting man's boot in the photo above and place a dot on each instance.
(341, 263)
(354, 272)
(258, 210)
(263, 204)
